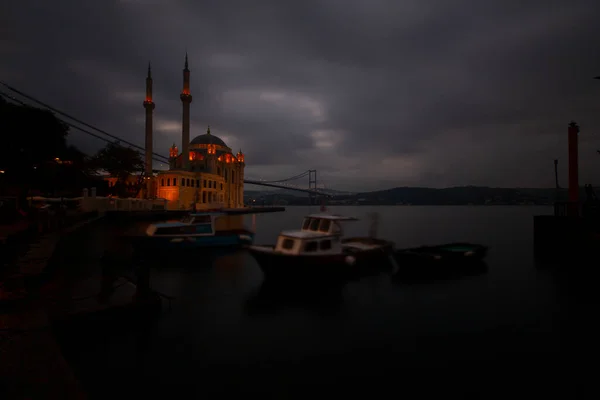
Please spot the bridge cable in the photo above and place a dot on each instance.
(289, 179)
(77, 120)
(69, 124)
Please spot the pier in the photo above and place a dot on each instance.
(574, 228)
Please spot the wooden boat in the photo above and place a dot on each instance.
(197, 230)
(319, 252)
(446, 259)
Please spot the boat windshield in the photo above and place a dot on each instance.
(196, 219)
(188, 219)
(317, 224)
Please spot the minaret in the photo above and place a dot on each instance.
(239, 184)
(149, 106)
(173, 153)
(186, 99)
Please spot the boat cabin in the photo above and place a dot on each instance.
(319, 235)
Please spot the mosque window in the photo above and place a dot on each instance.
(225, 175)
(168, 181)
(197, 182)
(188, 182)
(204, 197)
(221, 186)
(204, 183)
(162, 182)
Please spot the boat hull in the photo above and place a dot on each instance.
(448, 260)
(349, 265)
(220, 239)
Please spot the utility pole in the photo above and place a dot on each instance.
(556, 179)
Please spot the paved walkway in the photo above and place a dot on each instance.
(31, 363)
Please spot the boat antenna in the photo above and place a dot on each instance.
(323, 206)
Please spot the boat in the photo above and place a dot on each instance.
(208, 229)
(442, 260)
(318, 250)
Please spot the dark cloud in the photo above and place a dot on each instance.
(371, 93)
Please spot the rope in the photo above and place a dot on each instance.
(74, 119)
(71, 125)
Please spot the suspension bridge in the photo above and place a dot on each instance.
(312, 188)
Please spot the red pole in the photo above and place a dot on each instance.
(573, 169)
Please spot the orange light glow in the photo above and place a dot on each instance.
(173, 151)
(211, 149)
(192, 155)
(220, 158)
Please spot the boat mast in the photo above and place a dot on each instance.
(374, 224)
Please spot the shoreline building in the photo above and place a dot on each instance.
(206, 173)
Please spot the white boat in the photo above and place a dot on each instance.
(319, 248)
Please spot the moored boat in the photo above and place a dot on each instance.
(318, 251)
(442, 260)
(197, 230)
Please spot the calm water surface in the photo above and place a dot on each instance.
(224, 336)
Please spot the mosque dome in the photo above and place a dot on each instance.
(207, 138)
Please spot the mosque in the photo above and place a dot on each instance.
(206, 174)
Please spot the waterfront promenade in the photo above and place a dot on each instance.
(44, 287)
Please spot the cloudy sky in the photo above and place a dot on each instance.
(371, 93)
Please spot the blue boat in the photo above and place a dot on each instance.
(197, 230)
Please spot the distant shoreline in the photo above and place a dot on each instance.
(404, 196)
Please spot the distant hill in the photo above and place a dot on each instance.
(464, 195)
(457, 196)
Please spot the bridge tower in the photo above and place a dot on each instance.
(312, 185)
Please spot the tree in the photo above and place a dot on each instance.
(31, 137)
(120, 162)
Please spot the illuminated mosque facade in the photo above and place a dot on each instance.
(205, 174)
